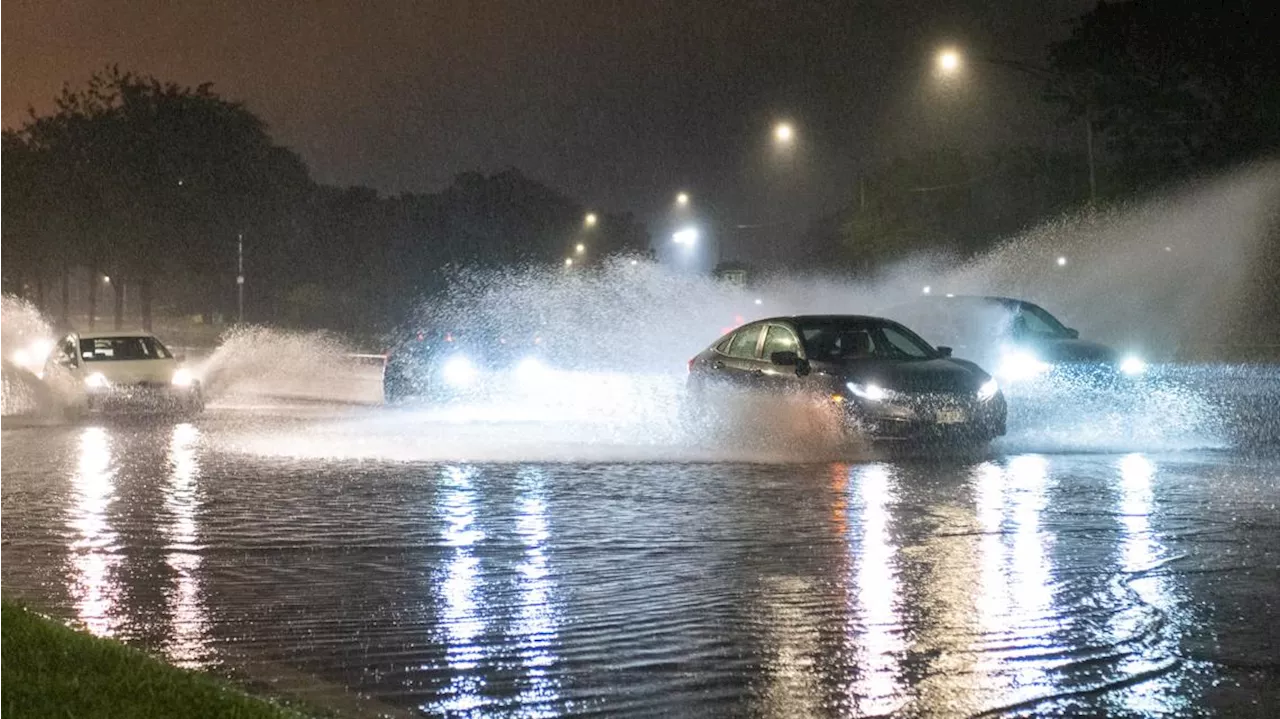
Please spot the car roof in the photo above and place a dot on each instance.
(824, 318)
(107, 334)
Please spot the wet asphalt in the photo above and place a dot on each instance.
(1030, 579)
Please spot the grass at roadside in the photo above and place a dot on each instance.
(53, 671)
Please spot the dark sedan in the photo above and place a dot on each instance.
(887, 381)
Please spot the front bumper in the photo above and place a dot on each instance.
(928, 417)
(144, 397)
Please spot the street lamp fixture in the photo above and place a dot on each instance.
(949, 61)
(580, 248)
(591, 219)
(682, 199)
(1062, 261)
(784, 133)
(106, 279)
(568, 262)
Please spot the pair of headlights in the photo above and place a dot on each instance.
(1015, 366)
(875, 393)
(181, 378)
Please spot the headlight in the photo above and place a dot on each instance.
(96, 381)
(988, 390)
(458, 371)
(870, 391)
(1020, 365)
(182, 378)
(1133, 365)
(530, 369)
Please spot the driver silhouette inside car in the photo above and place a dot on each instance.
(846, 345)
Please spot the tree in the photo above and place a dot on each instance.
(148, 179)
(1174, 87)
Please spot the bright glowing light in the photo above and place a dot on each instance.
(97, 380)
(1133, 365)
(182, 377)
(682, 199)
(591, 219)
(458, 372)
(784, 133)
(688, 237)
(988, 390)
(32, 357)
(759, 301)
(635, 262)
(580, 248)
(530, 370)
(870, 391)
(106, 279)
(1062, 261)
(1020, 365)
(927, 289)
(951, 294)
(568, 262)
(949, 61)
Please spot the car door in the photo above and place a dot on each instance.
(738, 366)
(778, 378)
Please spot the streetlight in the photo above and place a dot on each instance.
(949, 62)
(568, 262)
(682, 199)
(783, 133)
(1062, 261)
(591, 219)
(106, 279)
(580, 248)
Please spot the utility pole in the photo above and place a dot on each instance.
(240, 276)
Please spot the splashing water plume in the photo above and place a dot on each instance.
(259, 363)
(25, 340)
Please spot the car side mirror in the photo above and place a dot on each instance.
(785, 358)
(1073, 333)
(944, 351)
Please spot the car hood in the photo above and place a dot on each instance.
(133, 371)
(1070, 350)
(935, 375)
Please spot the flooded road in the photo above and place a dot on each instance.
(1018, 582)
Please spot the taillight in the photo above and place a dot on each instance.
(691, 361)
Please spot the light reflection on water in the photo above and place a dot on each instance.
(538, 620)
(94, 553)
(1142, 554)
(879, 642)
(460, 587)
(187, 645)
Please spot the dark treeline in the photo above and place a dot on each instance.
(152, 185)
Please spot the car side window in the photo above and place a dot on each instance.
(744, 342)
(779, 339)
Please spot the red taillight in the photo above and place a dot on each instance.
(691, 361)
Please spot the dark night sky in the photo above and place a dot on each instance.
(616, 103)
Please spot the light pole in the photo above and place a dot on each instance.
(950, 62)
(240, 277)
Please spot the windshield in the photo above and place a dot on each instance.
(1035, 320)
(838, 340)
(100, 349)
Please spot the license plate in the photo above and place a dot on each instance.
(950, 416)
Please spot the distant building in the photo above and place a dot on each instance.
(733, 273)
